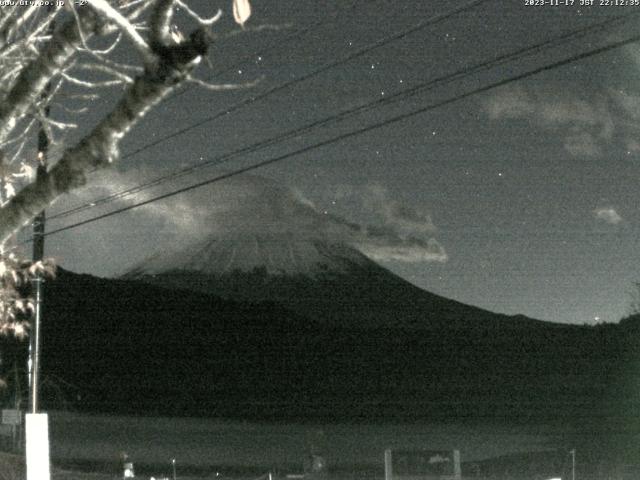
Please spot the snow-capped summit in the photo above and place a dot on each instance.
(265, 243)
(329, 283)
(249, 222)
(275, 253)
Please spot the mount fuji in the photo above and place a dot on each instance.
(265, 243)
(281, 311)
(331, 283)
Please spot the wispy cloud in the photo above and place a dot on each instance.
(584, 124)
(109, 246)
(407, 250)
(608, 215)
(243, 205)
(407, 218)
(397, 231)
(582, 144)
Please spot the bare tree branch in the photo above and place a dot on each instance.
(109, 71)
(41, 67)
(32, 81)
(12, 23)
(160, 23)
(93, 84)
(8, 15)
(100, 147)
(218, 87)
(205, 22)
(112, 15)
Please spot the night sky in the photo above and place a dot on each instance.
(527, 193)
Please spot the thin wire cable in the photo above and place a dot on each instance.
(363, 51)
(377, 44)
(420, 88)
(262, 52)
(288, 39)
(360, 131)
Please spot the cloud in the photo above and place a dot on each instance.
(607, 215)
(397, 231)
(585, 125)
(549, 109)
(109, 246)
(582, 144)
(509, 103)
(408, 250)
(407, 218)
(240, 206)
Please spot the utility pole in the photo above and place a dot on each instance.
(38, 254)
(37, 424)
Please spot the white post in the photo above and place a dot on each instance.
(388, 464)
(37, 446)
(128, 471)
(457, 470)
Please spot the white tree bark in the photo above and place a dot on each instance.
(100, 147)
(31, 82)
(165, 65)
(36, 62)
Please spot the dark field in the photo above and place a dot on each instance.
(206, 447)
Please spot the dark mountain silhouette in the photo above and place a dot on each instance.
(130, 347)
(283, 327)
(330, 283)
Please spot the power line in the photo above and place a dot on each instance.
(373, 46)
(377, 44)
(420, 88)
(288, 39)
(360, 131)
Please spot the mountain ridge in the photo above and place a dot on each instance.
(138, 348)
(339, 286)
